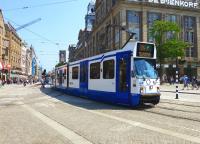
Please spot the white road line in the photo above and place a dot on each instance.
(145, 126)
(70, 135)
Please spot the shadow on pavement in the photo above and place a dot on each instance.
(87, 103)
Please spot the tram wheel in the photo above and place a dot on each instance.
(155, 102)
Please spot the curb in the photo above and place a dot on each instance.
(180, 92)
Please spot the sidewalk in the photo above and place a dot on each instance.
(189, 95)
(172, 88)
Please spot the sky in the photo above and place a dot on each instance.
(60, 23)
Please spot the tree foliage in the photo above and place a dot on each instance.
(167, 47)
(60, 64)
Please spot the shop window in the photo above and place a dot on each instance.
(108, 69)
(95, 70)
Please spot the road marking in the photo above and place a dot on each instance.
(145, 126)
(70, 135)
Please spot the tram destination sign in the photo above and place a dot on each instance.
(145, 50)
(179, 3)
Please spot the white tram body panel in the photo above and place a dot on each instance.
(102, 84)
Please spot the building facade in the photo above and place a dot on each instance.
(34, 64)
(4, 50)
(28, 61)
(138, 16)
(23, 59)
(15, 46)
(81, 49)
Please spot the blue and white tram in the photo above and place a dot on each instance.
(127, 76)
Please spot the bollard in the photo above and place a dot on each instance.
(176, 84)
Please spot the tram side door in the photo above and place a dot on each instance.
(123, 77)
(84, 76)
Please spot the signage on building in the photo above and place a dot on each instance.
(62, 56)
(180, 3)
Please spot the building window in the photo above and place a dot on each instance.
(190, 35)
(117, 32)
(75, 72)
(133, 22)
(189, 22)
(173, 19)
(108, 69)
(1, 30)
(152, 17)
(113, 2)
(95, 70)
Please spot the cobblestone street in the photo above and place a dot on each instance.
(31, 115)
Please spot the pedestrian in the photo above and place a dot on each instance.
(185, 82)
(198, 84)
(24, 83)
(194, 82)
(171, 80)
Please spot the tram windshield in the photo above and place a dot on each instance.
(145, 68)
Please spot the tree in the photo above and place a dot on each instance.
(60, 64)
(167, 47)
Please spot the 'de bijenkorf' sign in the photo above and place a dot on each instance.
(180, 3)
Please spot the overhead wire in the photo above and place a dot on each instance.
(38, 35)
(39, 5)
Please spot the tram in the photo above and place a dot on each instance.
(127, 76)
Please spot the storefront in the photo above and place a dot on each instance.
(4, 72)
(1, 71)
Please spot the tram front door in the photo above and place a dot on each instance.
(123, 77)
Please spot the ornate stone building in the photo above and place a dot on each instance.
(81, 50)
(138, 16)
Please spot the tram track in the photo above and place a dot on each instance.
(174, 113)
(162, 107)
(181, 103)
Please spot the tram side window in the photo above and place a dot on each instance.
(57, 74)
(65, 73)
(108, 69)
(95, 70)
(75, 72)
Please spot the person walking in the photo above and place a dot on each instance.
(171, 80)
(185, 82)
(194, 82)
(43, 78)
